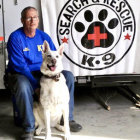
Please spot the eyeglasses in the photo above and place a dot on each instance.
(32, 18)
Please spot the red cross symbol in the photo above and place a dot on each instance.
(97, 36)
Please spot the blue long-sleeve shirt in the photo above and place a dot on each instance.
(25, 53)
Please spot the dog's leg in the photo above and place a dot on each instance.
(59, 127)
(47, 124)
(38, 121)
(66, 122)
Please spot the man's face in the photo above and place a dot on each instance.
(31, 20)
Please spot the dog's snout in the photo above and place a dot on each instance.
(54, 61)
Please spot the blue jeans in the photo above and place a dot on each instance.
(24, 92)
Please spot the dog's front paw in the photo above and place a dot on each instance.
(48, 137)
(38, 131)
(67, 136)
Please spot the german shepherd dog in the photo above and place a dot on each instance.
(54, 95)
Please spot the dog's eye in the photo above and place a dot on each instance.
(57, 56)
(49, 56)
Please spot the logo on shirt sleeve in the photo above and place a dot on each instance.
(26, 49)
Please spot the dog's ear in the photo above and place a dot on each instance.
(61, 49)
(46, 47)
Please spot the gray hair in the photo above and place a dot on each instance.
(24, 11)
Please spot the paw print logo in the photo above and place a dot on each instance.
(95, 29)
(97, 34)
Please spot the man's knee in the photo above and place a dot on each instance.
(21, 85)
(68, 76)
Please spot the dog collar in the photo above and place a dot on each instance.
(55, 77)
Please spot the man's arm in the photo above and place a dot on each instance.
(17, 60)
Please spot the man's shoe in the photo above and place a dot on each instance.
(74, 127)
(28, 136)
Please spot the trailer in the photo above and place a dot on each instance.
(101, 38)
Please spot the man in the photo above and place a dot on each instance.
(25, 58)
